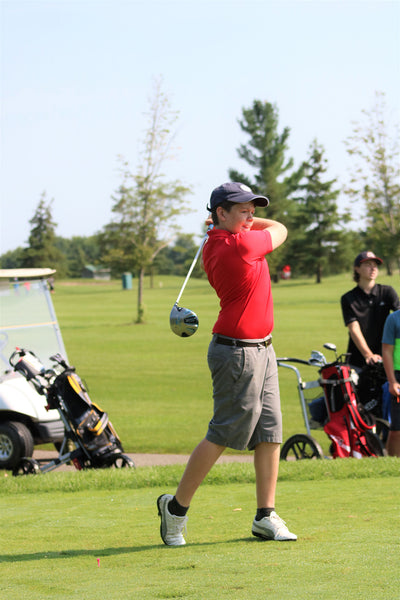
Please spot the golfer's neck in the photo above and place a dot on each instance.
(366, 285)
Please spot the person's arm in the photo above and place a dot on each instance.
(359, 340)
(387, 356)
(277, 230)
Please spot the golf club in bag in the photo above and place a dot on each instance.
(90, 440)
(183, 321)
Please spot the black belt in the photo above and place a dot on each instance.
(240, 344)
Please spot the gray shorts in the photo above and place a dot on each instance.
(247, 407)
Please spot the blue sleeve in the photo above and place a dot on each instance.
(389, 333)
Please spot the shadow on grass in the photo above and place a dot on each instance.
(4, 558)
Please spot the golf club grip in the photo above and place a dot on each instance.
(191, 267)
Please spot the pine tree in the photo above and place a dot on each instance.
(317, 221)
(274, 174)
(41, 250)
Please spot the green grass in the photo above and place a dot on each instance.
(85, 535)
(156, 386)
(77, 535)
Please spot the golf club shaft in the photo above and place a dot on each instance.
(191, 267)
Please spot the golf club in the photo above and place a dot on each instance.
(183, 321)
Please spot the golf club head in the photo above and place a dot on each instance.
(317, 359)
(183, 322)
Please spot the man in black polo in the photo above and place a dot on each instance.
(365, 309)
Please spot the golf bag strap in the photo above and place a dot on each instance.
(358, 419)
(100, 425)
(334, 382)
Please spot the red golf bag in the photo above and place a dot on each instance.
(350, 428)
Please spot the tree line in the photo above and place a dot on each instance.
(143, 235)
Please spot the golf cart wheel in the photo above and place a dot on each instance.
(301, 446)
(26, 466)
(374, 444)
(122, 460)
(27, 438)
(15, 441)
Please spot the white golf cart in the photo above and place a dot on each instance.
(27, 320)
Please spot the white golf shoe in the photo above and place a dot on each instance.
(272, 528)
(171, 527)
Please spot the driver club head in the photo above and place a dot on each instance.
(183, 322)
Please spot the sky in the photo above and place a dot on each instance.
(77, 77)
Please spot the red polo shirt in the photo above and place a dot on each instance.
(238, 271)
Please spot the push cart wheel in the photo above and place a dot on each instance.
(374, 443)
(122, 460)
(26, 466)
(301, 446)
(382, 429)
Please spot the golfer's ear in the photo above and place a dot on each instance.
(220, 213)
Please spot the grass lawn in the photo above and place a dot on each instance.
(78, 535)
(156, 386)
(85, 535)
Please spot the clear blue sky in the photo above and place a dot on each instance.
(76, 76)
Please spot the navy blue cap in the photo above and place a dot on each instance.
(237, 193)
(367, 255)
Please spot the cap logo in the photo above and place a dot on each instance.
(245, 188)
(370, 254)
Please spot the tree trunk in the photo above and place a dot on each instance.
(319, 274)
(140, 310)
(389, 270)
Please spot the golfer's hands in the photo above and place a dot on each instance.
(394, 389)
(373, 359)
(209, 221)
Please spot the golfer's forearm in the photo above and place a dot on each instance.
(388, 363)
(387, 357)
(359, 340)
(277, 231)
(261, 223)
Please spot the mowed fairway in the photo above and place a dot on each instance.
(155, 385)
(78, 535)
(85, 535)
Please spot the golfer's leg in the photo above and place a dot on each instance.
(200, 462)
(266, 465)
(393, 443)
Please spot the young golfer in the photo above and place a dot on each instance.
(365, 309)
(241, 359)
(391, 362)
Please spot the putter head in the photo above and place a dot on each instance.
(183, 322)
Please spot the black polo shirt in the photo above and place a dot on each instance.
(370, 310)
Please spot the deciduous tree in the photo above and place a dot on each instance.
(147, 203)
(375, 179)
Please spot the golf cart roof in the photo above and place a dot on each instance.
(27, 315)
(26, 273)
